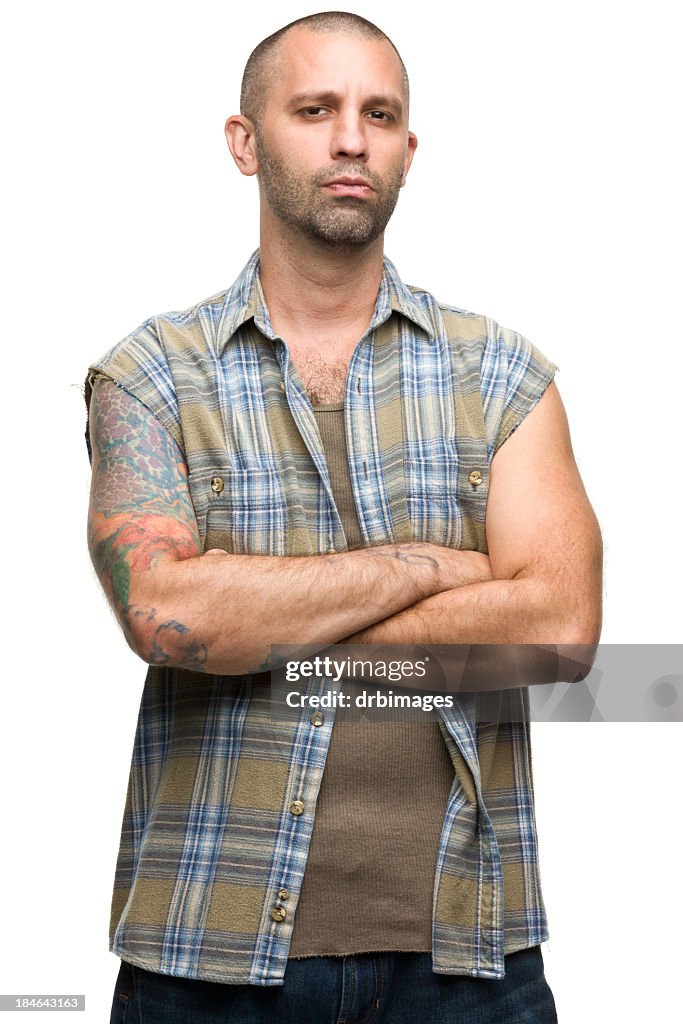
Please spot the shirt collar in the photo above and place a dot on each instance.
(244, 300)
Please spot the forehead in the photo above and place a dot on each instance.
(310, 61)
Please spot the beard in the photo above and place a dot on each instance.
(339, 221)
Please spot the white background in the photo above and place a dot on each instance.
(546, 193)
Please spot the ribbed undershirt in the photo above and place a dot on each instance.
(369, 879)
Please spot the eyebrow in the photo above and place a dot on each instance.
(328, 96)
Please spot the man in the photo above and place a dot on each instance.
(321, 454)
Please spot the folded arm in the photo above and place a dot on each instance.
(215, 611)
(545, 554)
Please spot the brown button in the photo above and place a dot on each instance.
(317, 718)
(297, 807)
(283, 894)
(475, 478)
(278, 913)
(217, 484)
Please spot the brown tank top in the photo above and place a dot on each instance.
(369, 879)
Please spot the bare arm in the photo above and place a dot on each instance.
(545, 553)
(218, 612)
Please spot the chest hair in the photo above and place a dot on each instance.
(323, 379)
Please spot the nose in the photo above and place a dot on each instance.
(349, 138)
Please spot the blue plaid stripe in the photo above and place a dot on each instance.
(208, 836)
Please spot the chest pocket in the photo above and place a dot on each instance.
(447, 489)
(240, 510)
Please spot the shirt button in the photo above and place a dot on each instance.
(283, 894)
(278, 913)
(317, 718)
(282, 385)
(217, 484)
(475, 478)
(297, 807)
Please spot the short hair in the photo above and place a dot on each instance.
(260, 69)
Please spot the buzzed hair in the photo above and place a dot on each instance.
(260, 69)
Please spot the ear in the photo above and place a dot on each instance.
(240, 134)
(410, 153)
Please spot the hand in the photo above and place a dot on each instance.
(448, 568)
(460, 568)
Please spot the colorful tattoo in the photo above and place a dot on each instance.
(141, 514)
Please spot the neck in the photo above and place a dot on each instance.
(312, 289)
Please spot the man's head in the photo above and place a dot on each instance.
(324, 98)
(261, 70)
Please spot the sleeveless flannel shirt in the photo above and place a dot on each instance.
(209, 840)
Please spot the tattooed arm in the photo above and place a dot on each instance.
(140, 516)
(218, 612)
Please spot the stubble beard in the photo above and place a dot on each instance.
(344, 222)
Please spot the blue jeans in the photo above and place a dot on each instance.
(366, 988)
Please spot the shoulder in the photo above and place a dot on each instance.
(145, 363)
(508, 370)
(161, 334)
(458, 325)
(494, 345)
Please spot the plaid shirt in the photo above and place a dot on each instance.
(214, 839)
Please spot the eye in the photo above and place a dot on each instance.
(382, 115)
(313, 110)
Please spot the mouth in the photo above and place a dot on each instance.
(349, 187)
